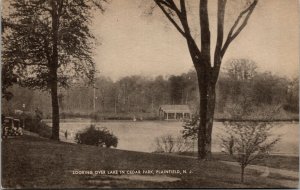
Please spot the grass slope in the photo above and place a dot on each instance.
(30, 162)
(273, 161)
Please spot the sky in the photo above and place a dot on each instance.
(133, 43)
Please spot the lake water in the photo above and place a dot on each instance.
(140, 136)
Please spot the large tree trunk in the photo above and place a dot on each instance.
(207, 107)
(55, 107)
(202, 123)
(53, 70)
(209, 118)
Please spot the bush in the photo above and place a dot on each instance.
(168, 143)
(44, 130)
(97, 137)
(36, 125)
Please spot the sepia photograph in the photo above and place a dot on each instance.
(150, 94)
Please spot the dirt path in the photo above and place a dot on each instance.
(25, 132)
(265, 171)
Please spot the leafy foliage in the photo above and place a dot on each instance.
(97, 137)
(8, 78)
(190, 127)
(29, 41)
(250, 140)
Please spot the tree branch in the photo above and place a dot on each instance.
(166, 3)
(204, 24)
(35, 64)
(232, 35)
(193, 48)
(220, 34)
(159, 3)
(47, 51)
(182, 16)
(220, 29)
(174, 7)
(60, 7)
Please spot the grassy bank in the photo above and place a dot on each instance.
(38, 127)
(273, 161)
(29, 162)
(111, 116)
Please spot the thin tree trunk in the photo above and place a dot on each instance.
(186, 98)
(115, 106)
(152, 103)
(242, 173)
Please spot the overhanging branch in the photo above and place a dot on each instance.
(193, 48)
(168, 7)
(160, 4)
(233, 33)
(220, 34)
(220, 28)
(165, 3)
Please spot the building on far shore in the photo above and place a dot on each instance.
(174, 112)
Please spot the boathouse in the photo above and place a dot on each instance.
(174, 112)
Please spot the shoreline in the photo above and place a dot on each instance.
(148, 120)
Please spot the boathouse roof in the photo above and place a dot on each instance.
(175, 108)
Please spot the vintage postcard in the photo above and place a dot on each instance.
(149, 94)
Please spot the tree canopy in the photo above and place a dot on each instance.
(29, 44)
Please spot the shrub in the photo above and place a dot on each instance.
(44, 130)
(97, 137)
(169, 144)
(35, 124)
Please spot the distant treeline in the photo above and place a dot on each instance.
(142, 96)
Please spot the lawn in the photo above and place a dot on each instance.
(29, 162)
(273, 161)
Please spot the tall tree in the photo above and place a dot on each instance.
(207, 73)
(241, 69)
(49, 43)
(8, 77)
